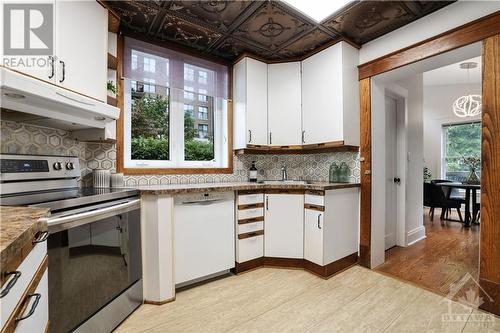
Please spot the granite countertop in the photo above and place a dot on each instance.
(18, 226)
(212, 187)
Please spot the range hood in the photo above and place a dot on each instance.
(29, 100)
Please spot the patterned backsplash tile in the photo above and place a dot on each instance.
(27, 139)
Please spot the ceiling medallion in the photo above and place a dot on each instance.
(468, 105)
(271, 29)
(214, 7)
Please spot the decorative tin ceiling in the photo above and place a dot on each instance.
(269, 29)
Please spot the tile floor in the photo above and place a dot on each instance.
(283, 300)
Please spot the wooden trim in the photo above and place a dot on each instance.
(315, 192)
(112, 62)
(251, 234)
(160, 302)
(244, 192)
(333, 146)
(464, 35)
(251, 220)
(284, 191)
(366, 182)
(332, 268)
(10, 324)
(240, 267)
(314, 207)
(14, 263)
(284, 262)
(120, 104)
(251, 206)
(47, 327)
(489, 252)
(112, 101)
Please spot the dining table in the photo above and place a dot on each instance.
(471, 213)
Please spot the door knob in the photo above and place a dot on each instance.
(397, 180)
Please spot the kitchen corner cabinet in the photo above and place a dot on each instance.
(284, 225)
(330, 101)
(284, 106)
(80, 44)
(331, 225)
(250, 103)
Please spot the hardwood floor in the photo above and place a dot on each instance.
(285, 300)
(447, 254)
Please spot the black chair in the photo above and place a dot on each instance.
(453, 193)
(436, 198)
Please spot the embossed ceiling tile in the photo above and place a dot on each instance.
(426, 7)
(183, 32)
(271, 26)
(368, 20)
(305, 44)
(232, 47)
(135, 15)
(218, 14)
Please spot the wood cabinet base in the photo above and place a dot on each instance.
(322, 271)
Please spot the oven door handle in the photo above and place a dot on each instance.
(66, 222)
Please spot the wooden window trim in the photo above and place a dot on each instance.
(120, 166)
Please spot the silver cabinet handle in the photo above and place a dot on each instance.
(43, 237)
(11, 283)
(33, 307)
(270, 138)
(63, 71)
(319, 218)
(249, 136)
(267, 202)
(52, 69)
(303, 136)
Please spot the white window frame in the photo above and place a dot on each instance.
(149, 65)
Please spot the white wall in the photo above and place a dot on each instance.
(438, 110)
(451, 16)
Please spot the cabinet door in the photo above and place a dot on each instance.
(256, 102)
(322, 96)
(284, 226)
(284, 104)
(313, 236)
(81, 47)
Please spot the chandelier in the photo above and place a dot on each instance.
(467, 105)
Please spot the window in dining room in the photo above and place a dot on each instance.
(459, 141)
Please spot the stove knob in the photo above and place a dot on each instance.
(70, 166)
(57, 166)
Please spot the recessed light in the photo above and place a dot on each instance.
(318, 10)
(100, 118)
(14, 95)
(468, 65)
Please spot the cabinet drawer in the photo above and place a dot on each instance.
(249, 199)
(249, 227)
(27, 270)
(317, 200)
(249, 248)
(250, 213)
(38, 321)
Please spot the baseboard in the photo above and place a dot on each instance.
(490, 293)
(159, 302)
(295, 263)
(415, 235)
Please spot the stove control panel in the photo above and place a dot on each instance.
(23, 167)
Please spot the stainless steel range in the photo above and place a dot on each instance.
(94, 247)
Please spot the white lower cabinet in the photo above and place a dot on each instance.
(37, 309)
(249, 248)
(332, 234)
(284, 225)
(249, 226)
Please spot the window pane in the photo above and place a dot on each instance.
(199, 130)
(150, 122)
(461, 140)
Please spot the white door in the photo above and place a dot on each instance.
(322, 96)
(256, 102)
(82, 47)
(284, 226)
(284, 104)
(391, 172)
(313, 236)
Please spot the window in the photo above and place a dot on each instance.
(134, 61)
(202, 77)
(202, 112)
(149, 65)
(188, 73)
(172, 123)
(459, 140)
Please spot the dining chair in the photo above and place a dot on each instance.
(438, 199)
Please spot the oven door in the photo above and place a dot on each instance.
(94, 256)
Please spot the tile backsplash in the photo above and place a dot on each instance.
(19, 138)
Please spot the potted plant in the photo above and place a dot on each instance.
(111, 88)
(473, 163)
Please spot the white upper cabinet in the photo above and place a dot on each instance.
(330, 96)
(284, 106)
(250, 103)
(81, 47)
